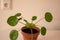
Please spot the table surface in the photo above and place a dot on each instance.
(51, 35)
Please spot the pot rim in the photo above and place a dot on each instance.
(33, 28)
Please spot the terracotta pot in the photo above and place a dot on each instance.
(28, 36)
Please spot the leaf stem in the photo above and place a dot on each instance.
(31, 21)
(39, 20)
(22, 17)
(22, 23)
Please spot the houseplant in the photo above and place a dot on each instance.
(30, 31)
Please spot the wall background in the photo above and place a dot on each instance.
(29, 8)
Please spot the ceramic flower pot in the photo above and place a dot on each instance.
(28, 35)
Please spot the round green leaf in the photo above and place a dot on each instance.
(18, 14)
(12, 20)
(34, 18)
(13, 34)
(43, 31)
(48, 17)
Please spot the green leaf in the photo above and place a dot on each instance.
(12, 20)
(34, 18)
(18, 14)
(48, 17)
(13, 34)
(32, 25)
(43, 31)
(28, 25)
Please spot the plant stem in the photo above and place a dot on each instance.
(32, 34)
(22, 17)
(19, 18)
(39, 20)
(31, 21)
(22, 23)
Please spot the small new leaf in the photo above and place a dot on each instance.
(28, 25)
(32, 25)
(13, 34)
(18, 14)
(34, 18)
(43, 31)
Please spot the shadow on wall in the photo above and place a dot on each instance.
(57, 28)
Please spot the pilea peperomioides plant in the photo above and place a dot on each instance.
(13, 21)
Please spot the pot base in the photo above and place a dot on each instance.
(30, 39)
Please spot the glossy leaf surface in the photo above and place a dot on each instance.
(12, 20)
(48, 17)
(43, 31)
(13, 34)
